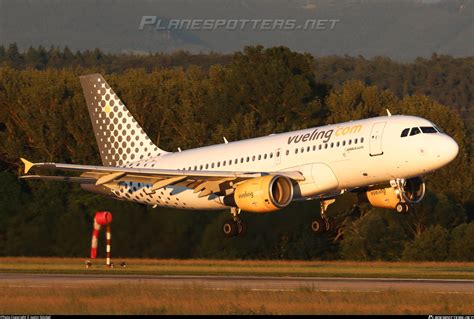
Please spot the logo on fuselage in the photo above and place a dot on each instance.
(324, 134)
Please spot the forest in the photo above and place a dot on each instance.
(189, 100)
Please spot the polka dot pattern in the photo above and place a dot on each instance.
(120, 138)
(170, 196)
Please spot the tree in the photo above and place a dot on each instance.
(461, 244)
(431, 245)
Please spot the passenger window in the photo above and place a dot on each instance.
(253, 158)
(362, 140)
(344, 143)
(265, 156)
(337, 144)
(212, 165)
(332, 144)
(428, 129)
(241, 159)
(320, 147)
(218, 164)
(223, 163)
(296, 151)
(414, 131)
(308, 149)
(326, 145)
(355, 141)
(350, 142)
(314, 147)
(248, 159)
(271, 155)
(287, 152)
(278, 154)
(207, 166)
(259, 156)
(405, 132)
(302, 150)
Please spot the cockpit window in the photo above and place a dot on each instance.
(438, 129)
(414, 131)
(428, 129)
(405, 132)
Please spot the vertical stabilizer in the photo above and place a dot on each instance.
(120, 138)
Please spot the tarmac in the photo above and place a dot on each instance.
(270, 283)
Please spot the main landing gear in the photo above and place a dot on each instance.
(323, 223)
(235, 226)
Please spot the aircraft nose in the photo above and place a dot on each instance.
(450, 149)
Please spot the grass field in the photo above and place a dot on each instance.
(153, 298)
(430, 270)
(147, 298)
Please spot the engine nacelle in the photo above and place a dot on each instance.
(411, 191)
(262, 194)
(382, 197)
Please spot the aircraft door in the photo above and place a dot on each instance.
(376, 139)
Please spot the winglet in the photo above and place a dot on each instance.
(28, 165)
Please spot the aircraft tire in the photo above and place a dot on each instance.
(318, 225)
(229, 228)
(241, 228)
(400, 208)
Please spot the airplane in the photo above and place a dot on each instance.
(383, 159)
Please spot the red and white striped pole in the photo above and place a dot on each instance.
(101, 219)
(107, 249)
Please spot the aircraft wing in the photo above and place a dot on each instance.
(204, 182)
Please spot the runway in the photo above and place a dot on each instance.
(247, 282)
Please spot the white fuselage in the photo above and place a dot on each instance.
(332, 158)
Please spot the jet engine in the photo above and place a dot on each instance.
(410, 191)
(262, 194)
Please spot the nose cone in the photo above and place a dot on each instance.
(449, 149)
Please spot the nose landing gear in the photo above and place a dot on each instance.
(402, 208)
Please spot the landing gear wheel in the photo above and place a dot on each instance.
(318, 225)
(406, 208)
(229, 228)
(241, 228)
(329, 225)
(401, 208)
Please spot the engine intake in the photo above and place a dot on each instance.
(413, 190)
(262, 194)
